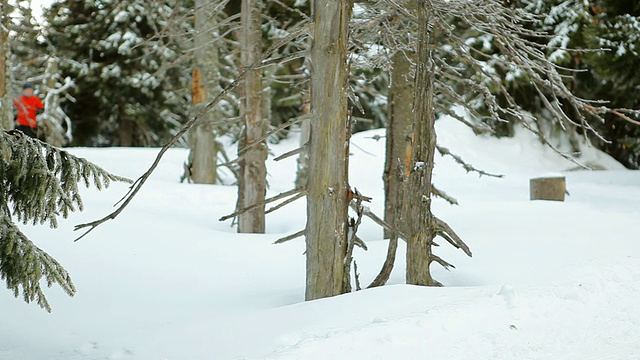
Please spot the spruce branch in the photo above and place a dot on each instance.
(38, 184)
(23, 265)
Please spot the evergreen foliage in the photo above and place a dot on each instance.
(31, 60)
(38, 184)
(130, 79)
(596, 43)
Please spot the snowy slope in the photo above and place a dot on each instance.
(166, 280)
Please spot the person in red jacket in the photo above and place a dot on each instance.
(28, 106)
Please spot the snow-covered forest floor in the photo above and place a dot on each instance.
(167, 280)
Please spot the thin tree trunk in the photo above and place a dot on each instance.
(6, 121)
(203, 155)
(420, 218)
(400, 116)
(252, 182)
(53, 131)
(125, 131)
(328, 187)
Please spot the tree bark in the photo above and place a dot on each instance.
(420, 219)
(400, 115)
(327, 186)
(203, 155)
(125, 131)
(252, 183)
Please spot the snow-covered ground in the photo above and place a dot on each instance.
(167, 280)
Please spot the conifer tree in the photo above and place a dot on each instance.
(38, 184)
(131, 84)
(29, 59)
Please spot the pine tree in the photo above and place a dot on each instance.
(131, 87)
(31, 60)
(38, 184)
(596, 43)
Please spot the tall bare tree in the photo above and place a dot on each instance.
(202, 166)
(399, 119)
(253, 147)
(420, 219)
(328, 187)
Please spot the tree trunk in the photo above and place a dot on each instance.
(6, 121)
(400, 115)
(203, 155)
(125, 131)
(252, 182)
(53, 130)
(328, 187)
(419, 216)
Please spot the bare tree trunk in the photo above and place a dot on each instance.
(125, 131)
(400, 115)
(6, 121)
(203, 155)
(420, 219)
(328, 187)
(53, 131)
(252, 183)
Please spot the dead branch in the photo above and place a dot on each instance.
(443, 195)
(625, 117)
(469, 168)
(446, 232)
(387, 267)
(353, 229)
(137, 185)
(271, 132)
(286, 202)
(368, 213)
(442, 262)
(360, 243)
(266, 201)
(356, 275)
(291, 153)
(289, 237)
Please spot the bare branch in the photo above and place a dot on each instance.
(271, 132)
(291, 153)
(290, 237)
(469, 168)
(441, 194)
(353, 229)
(446, 232)
(442, 262)
(368, 213)
(286, 202)
(137, 185)
(266, 201)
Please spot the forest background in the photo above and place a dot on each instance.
(119, 73)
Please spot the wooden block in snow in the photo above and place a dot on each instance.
(548, 188)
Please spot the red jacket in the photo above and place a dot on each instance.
(27, 107)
